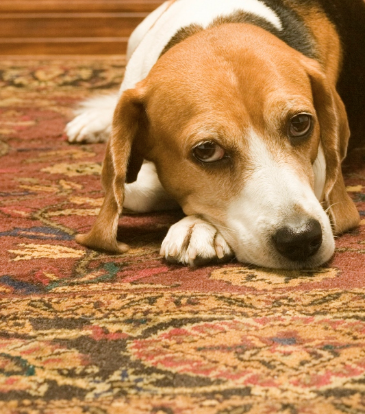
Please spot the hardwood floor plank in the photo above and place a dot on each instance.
(78, 5)
(64, 46)
(72, 24)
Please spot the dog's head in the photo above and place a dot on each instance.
(245, 132)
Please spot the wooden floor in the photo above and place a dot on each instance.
(69, 27)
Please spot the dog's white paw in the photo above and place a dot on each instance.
(90, 126)
(194, 242)
(94, 119)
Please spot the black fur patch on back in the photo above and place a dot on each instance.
(294, 32)
(181, 35)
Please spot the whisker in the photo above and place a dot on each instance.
(331, 205)
(331, 222)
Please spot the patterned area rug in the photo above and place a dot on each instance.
(85, 332)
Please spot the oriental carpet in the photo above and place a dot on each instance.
(86, 332)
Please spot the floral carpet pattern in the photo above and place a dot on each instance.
(86, 332)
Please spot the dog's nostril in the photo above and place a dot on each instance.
(298, 242)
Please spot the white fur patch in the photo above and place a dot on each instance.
(142, 29)
(319, 169)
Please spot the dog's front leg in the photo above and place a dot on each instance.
(195, 242)
(146, 194)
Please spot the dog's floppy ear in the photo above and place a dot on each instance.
(122, 162)
(335, 134)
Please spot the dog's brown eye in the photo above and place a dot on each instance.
(300, 126)
(208, 151)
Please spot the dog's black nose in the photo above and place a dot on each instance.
(298, 242)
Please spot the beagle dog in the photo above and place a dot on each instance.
(235, 111)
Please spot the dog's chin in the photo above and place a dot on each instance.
(273, 260)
